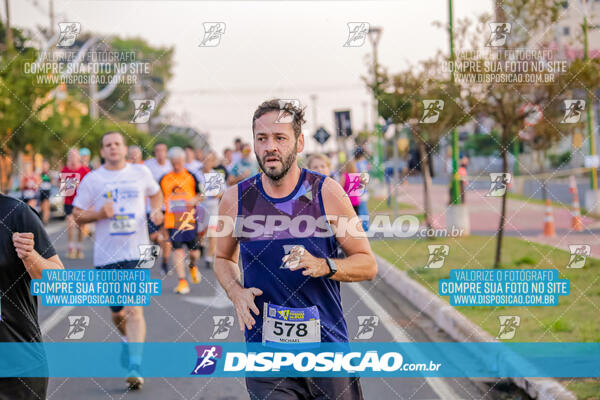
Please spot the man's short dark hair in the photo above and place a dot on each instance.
(188, 146)
(238, 140)
(110, 133)
(278, 105)
(159, 143)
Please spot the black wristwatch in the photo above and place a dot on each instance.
(332, 267)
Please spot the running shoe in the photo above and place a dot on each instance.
(195, 273)
(134, 379)
(72, 254)
(80, 254)
(183, 287)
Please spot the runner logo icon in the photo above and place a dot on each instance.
(573, 111)
(499, 32)
(366, 326)
(579, 253)
(437, 255)
(287, 113)
(214, 184)
(357, 34)
(207, 359)
(499, 184)
(212, 34)
(148, 255)
(222, 325)
(508, 326)
(77, 325)
(143, 110)
(67, 184)
(68, 33)
(431, 111)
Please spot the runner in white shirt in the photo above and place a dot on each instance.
(159, 166)
(192, 164)
(113, 197)
(213, 184)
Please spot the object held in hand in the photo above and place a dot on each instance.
(292, 259)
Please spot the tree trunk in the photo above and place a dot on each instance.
(8, 35)
(426, 183)
(395, 170)
(500, 235)
(544, 189)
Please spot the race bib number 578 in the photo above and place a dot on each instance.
(291, 325)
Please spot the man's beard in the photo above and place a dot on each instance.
(286, 164)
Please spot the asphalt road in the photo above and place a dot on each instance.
(176, 318)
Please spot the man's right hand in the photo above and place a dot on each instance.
(243, 300)
(107, 210)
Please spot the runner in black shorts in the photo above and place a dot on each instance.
(28, 251)
(178, 243)
(114, 196)
(119, 265)
(303, 388)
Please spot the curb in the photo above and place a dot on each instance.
(461, 328)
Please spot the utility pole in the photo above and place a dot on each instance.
(313, 99)
(51, 11)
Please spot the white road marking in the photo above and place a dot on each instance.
(219, 300)
(439, 386)
(49, 323)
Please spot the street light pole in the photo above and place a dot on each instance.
(313, 98)
(590, 103)
(457, 215)
(374, 36)
(454, 184)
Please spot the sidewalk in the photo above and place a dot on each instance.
(523, 219)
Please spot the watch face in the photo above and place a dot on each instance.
(332, 266)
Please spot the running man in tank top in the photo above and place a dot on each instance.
(287, 249)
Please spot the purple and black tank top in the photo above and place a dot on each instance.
(262, 247)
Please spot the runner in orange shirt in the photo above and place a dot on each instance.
(181, 191)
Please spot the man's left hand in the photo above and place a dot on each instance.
(300, 258)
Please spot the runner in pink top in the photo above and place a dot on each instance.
(351, 183)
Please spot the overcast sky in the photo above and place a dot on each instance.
(269, 49)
